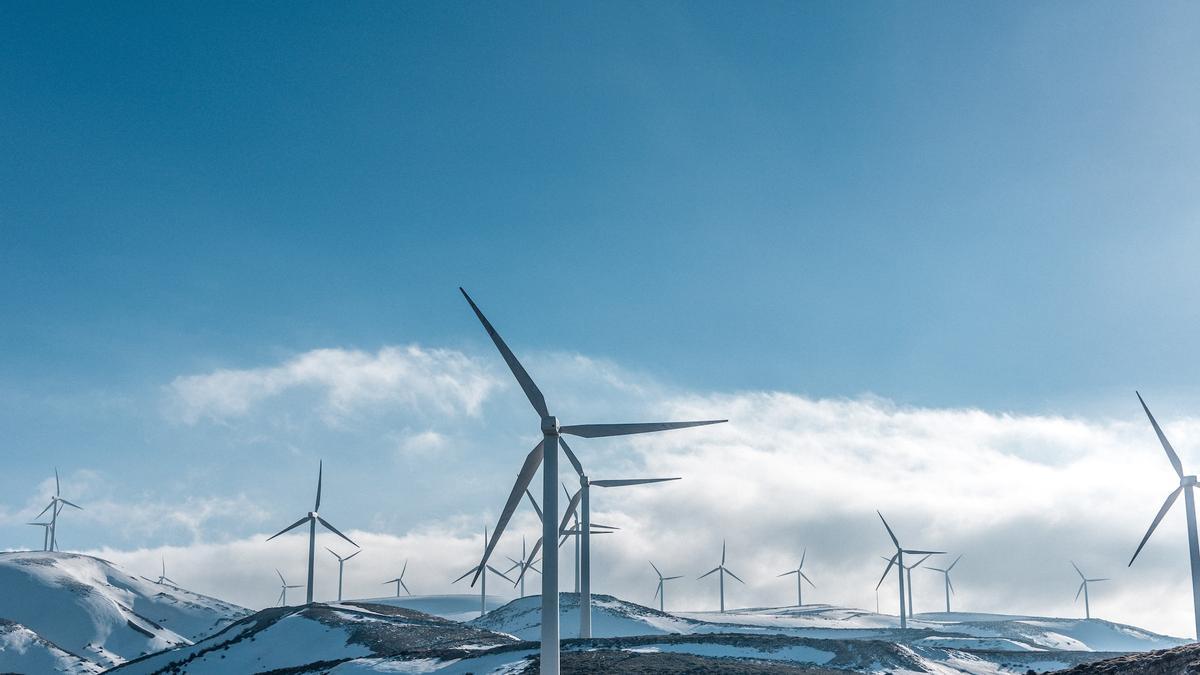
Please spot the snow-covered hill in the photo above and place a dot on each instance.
(22, 651)
(348, 635)
(93, 610)
(463, 607)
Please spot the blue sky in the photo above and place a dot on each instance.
(945, 205)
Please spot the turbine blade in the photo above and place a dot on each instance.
(722, 553)
(787, 573)
(45, 509)
(293, 526)
(571, 456)
(1100, 579)
(730, 573)
(532, 461)
(674, 577)
(1162, 439)
(334, 554)
(889, 530)
(464, 576)
(1077, 570)
(715, 569)
(281, 579)
(802, 556)
(655, 568)
(1158, 518)
(404, 569)
(57, 485)
(404, 586)
(320, 471)
(496, 571)
(630, 481)
(805, 577)
(533, 501)
(891, 562)
(602, 430)
(574, 504)
(531, 391)
(951, 585)
(954, 563)
(918, 563)
(334, 530)
(70, 504)
(926, 553)
(657, 590)
(352, 555)
(392, 581)
(1079, 591)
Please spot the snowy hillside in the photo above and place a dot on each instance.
(93, 610)
(351, 634)
(22, 651)
(463, 607)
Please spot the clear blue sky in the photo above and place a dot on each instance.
(945, 204)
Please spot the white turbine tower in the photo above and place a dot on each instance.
(481, 570)
(45, 534)
(547, 451)
(946, 574)
(800, 577)
(399, 581)
(723, 571)
(583, 556)
(1187, 484)
(312, 519)
(55, 507)
(897, 559)
(163, 578)
(341, 565)
(1083, 588)
(283, 588)
(661, 592)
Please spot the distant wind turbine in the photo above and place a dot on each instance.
(399, 581)
(723, 571)
(56, 507)
(522, 565)
(800, 577)
(661, 592)
(45, 534)
(908, 574)
(481, 570)
(283, 588)
(312, 519)
(1187, 484)
(547, 451)
(897, 559)
(1083, 588)
(946, 573)
(583, 555)
(575, 532)
(163, 577)
(341, 565)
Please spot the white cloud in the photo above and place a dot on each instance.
(436, 380)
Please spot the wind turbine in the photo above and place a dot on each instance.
(45, 534)
(341, 564)
(1083, 588)
(898, 560)
(1186, 485)
(522, 565)
(399, 581)
(163, 577)
(723, 570)
(312, 519)
(481, 570)
(547, 451)
(585, 484)
(575, 534)
(55, 507)
(946, 574)
(661, 592)
(283, 588)
(800, 576)
(908, 573)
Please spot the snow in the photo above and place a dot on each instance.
(462, 607)
(22, 651)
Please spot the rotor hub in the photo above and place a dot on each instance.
(312, 514)
(1187, 481)
(550, 425)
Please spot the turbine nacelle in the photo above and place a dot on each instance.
(550, 425)
(1188, 481)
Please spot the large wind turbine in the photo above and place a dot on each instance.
(585, 555)
(1083, 588)
(55, 507)
(1186, 485)
(723, 570)
(482, 569)
(163, 578)
(800, 577)
(547, 451)
(399, 581)
(342, 564)
(283, 588)
(946, 574)
(898, 560)
(661, 592)
(312, 519)
(45, 534)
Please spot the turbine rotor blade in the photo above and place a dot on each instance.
(715, 569)
(293, 526)
(889, 530)
(954, 563)
(805, 577)
(334, 530)
(532, 461)
(63, 501)
(1158, 518)
(630, 481)
(730, 573)
(891, 562)
(674, 577)
(655, 568)
(464, 576)
(320, 472)
(1163, 439)
(281, 579)
(787, 573)
(496, 571)
(531, 391)
(603, 430)
(352, 555)
(1077, 570)
(802, 556)
(926, 553)
(1079, 591)
(533, 501)
(571, 457)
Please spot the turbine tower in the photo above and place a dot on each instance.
(723, 570)
(800, 577)
(163, 577)
(481, 570)
(1187, 483)
(399, 581)
(55, 507)
(908, 574)
(312, 519)
(341, 564)
(575, 534)
(897, 559)
(283, 588)
(946, 575)
(45, 534)
(661, 592)
(584, 557)
(547, 451)
(1083, 588)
